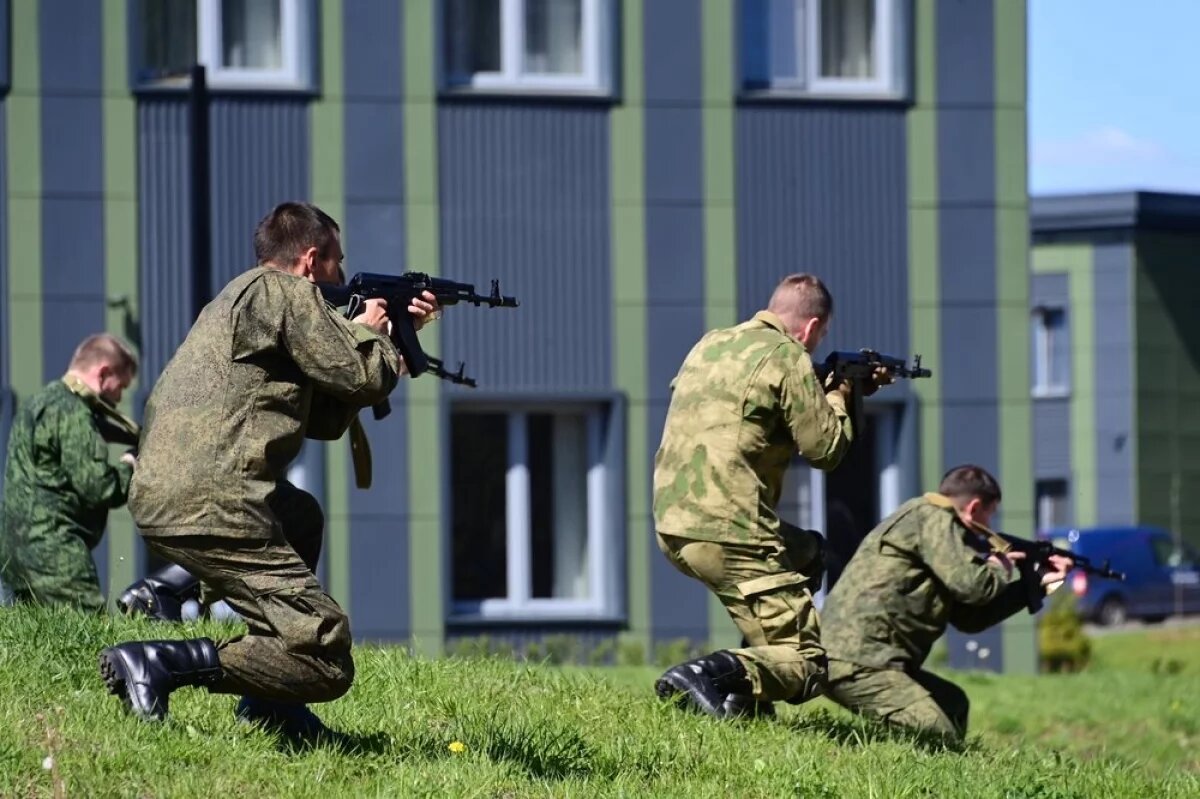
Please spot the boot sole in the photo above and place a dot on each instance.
(682, 697)
(112, 671)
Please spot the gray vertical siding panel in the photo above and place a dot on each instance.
(373, 119)
(260, 152)
(72, 178)
(672, 126)
(1052, 438)
(1051, 416)
(1050, 289)
(824, 190)
(525, 198)
(967, 246)
(1113, 265)
(164, 238)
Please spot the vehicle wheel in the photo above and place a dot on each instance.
(1112, 612)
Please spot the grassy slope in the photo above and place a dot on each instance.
(543, 731)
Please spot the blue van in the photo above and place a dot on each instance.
(1162, 576)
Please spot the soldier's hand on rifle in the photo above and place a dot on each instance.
(129, 457)
(880, 377)
(374, 315)
(1060, 566)
(424, 309)
(1006, 560)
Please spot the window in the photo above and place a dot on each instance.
(825, 48)
(1051, 504)
(527, 45)
(533, 535)
(1051, 349)
(244, 44)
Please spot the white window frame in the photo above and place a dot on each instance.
(595, 56)
(1041, 386)
(296, 25)
(891, 57)
(603, 546)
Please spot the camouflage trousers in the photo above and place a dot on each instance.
(918, 700)
(768, 600)
(55, 569)
(297, 646)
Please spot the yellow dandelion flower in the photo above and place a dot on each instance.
(458, 747)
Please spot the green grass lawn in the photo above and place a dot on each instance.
(1120, 729)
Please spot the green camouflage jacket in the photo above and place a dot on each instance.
(917, 571)
(267, 363)
(58, 476)
(744, 402)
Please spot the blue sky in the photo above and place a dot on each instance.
(1114, 95)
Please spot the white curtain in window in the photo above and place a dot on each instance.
(1059, 348)
(847, 38)
(570, 507)
(553, 37)
(251, 34)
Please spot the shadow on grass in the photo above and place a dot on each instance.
(350, 744)
(861, 732)
(545, 751)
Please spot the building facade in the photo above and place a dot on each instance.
(635, 172)
(1116, 360)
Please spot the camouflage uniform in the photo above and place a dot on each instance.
(917, 571)
(744, 402)
(267, 363)
(58, 488)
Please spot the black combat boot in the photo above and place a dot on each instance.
(705, 682)
(144, 673)
(161, 594)
(738, 706)
(292, 720)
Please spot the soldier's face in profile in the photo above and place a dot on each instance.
(113, 383)
(326, 267)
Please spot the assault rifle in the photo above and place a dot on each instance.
(1037, 561)
(859, 369)
(399, 291)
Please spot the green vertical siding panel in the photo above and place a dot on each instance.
(1076, 260)
(427, 528)
(1015, 413)
(629, 309)
(720, 246)
(328, 165)
(120, 243)
(24, 162)
(923, 252)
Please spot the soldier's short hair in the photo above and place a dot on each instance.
(289, 229)
(104, 348)
(803, 295)
(969, 482)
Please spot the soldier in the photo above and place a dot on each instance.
(266, 364)
(925, 566)
(58, 481)
(745, 400)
